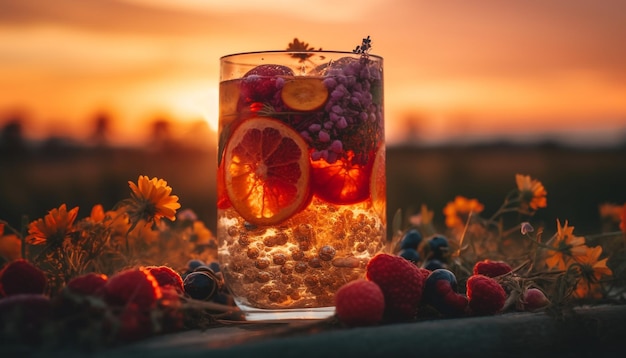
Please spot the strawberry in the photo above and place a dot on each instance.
(401, 283)
(165, 275)
(532, 300)
(20, 276)
(486, 296)
(87, 284)
(491, 268)
(360, 303)
(135, 285)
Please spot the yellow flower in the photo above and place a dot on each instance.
(591, 271)
(457, 212)
(53, 228)
(151, 200)
(10, 245)
(565, 246)
(532, 193)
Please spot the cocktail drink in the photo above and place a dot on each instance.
(301, 177)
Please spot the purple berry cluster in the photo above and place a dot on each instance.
(353, 115)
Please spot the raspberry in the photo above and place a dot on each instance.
(485, 295)
(533, 300)
(491, 268)
(87, 284)
(20, 276)
(165, 275)
(23, 317)
(401, 283)
(360, 303)
(132, 286)
(133, 323)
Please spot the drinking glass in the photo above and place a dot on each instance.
(301, 177)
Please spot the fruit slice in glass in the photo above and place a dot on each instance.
(304, 93)
(266, 171)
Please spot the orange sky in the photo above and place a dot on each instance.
(457, 70)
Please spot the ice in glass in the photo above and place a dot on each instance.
(301, 177)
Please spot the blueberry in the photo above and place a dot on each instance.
(200, 285)
(409, 254)
(204, 268)
(434, 264)
(441, 274)
(215, 266)
(439, 247)
(192, 264)
(440, 285)
(411, 239)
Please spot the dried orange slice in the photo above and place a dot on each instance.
(304, 93)
(266, 170)
(378, 183)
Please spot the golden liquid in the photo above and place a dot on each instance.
(301, 262)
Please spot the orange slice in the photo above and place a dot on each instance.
(266, 170)
(378, 184)
(304, 93)
(341, 182)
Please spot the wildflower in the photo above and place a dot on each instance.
(591, 271)
(531, 191)
(425, 217)
(565, 246)
(53, 228)
(526, 227)
(97, 213)
(458, 211)
(151, 201)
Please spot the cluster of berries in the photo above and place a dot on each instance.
(396, 289)
(337, 109)
(130, 305)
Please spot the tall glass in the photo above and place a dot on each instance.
(301, 177)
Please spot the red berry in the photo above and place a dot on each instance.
(20, 276)
(87, 284)
(485, 295)
(401, 283)
(533, 299)
(491, 268)
(260, 84)
(135, 285)
(360, 303)
(23, 317)
(133, 323)
(165, 275)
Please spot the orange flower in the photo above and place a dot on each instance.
(97, 213)
(591, 271)
(151, 200)
(53, 228)
(458, 211)
(531, 192)
(565, 246)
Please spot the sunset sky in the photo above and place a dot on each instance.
(454, 70)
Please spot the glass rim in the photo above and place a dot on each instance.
(378, 57)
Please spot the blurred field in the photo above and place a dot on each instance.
(33, 181)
